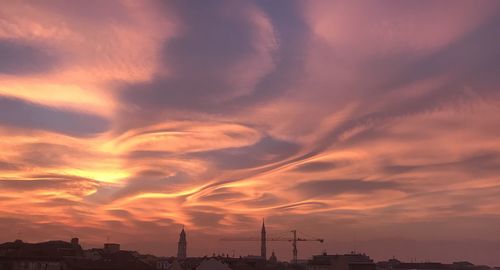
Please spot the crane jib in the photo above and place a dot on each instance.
(294, 241)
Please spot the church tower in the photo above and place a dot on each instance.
(263, 252)
(182, 246)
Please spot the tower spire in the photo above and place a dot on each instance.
(182, 245)
(263, 252)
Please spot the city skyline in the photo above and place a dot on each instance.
(371, 125)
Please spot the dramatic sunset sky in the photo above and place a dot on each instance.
(375, 125)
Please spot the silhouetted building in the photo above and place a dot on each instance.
(175, 266)
(212, 264)
(111, 247)
(182, 246)
(389, 264)
(341, 262)
(263, 251)
(75, 242)
(117, 260)
(422, 266)
(191, 263)
(49, 255)
(253, 260)
(273, 258)
(61, 255)
(462, 265)
(394, 264)
(163, 263)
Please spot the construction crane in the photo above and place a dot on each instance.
(294, 241)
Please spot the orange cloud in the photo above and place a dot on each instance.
(126, 120)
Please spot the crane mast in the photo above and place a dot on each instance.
(294, 246)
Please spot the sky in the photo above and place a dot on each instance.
(371, 124)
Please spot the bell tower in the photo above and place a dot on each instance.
(263, 252)
(182, 246)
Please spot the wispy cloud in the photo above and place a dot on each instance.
(131, 119)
